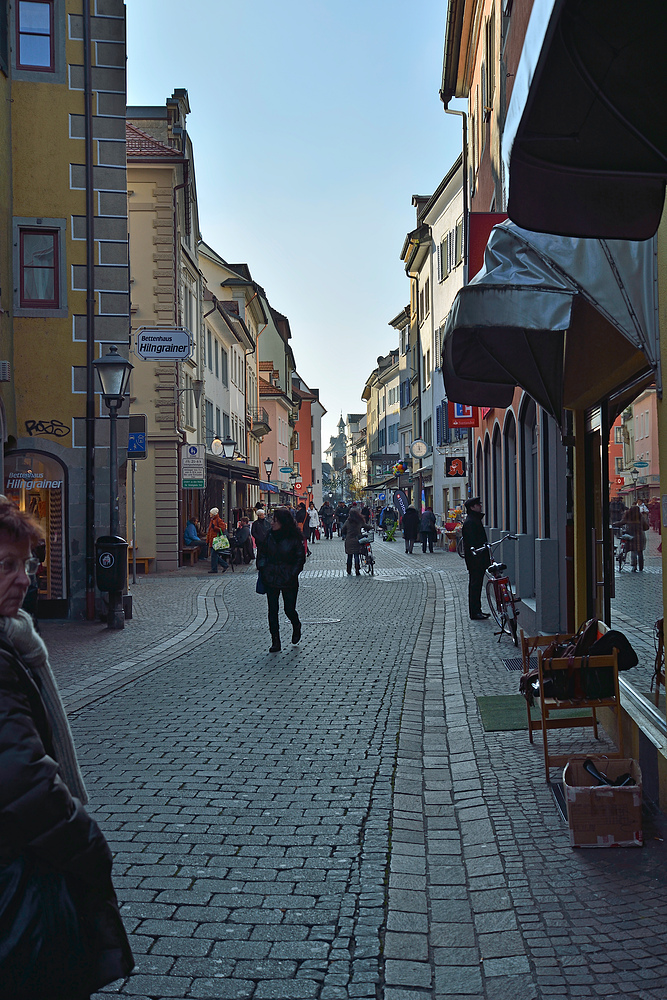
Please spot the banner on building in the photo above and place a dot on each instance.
(462, 415)
(455, 467)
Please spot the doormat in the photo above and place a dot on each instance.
(516, 663)
(507, 712)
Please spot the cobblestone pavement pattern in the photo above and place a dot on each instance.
(333, 821)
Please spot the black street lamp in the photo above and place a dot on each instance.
(227, 449)
(268, 468)
(114, 375)
(635, 476)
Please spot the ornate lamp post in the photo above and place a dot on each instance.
(114, 374)
(227, 449)
(268, 468)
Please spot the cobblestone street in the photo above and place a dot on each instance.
(334, 821)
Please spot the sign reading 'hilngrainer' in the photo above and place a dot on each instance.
(163, 343)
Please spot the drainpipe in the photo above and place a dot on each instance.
(466, 226)
(90, 318)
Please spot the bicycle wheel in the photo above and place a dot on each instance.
(510, 614)
(620, 558)
(494, 608)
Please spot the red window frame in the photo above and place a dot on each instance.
(29, 66)
(54, 303)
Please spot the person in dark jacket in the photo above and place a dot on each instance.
(474, 536)
(353, 527)
(635, 524)
(427, 529)
(326, 513)
(411, 523)
(260, 527)
(341, 515)
(61, 935)
(280, 559)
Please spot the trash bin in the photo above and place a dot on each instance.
(111, 563)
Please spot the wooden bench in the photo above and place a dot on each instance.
(144, 561)
(191, 553)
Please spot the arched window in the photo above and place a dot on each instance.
(479, 477)
(496, 512)
(530, 521)
(509, 435)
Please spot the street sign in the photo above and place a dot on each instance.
(156, 343)
(193, 467)
(298, 487)
(286, 470)
(136, 444)
(381, 496)
(641, 465)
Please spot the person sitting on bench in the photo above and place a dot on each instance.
(191, 537)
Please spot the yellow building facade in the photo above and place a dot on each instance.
(64, 274)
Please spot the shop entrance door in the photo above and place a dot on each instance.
(599, 555)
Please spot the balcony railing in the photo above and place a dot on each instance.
(259, 420)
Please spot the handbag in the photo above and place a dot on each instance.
(220, 543)
(259, 586)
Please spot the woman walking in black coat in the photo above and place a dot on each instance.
(61, 935)
(280, 559)
(411, 523)
(352, 528)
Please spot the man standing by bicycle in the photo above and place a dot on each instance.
(474, 537)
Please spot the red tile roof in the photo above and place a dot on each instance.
(266, 389)
(141, 144)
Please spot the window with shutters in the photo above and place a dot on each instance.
(427, 297)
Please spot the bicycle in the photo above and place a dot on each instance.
(366, 557)
(499, 593)
(622, 553)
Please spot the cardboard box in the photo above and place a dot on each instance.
(599, 815)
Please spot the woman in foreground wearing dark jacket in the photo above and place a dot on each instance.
(280, 559)
(61, 935)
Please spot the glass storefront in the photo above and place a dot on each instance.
(36, 482)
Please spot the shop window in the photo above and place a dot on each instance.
(36, 483)
(39, 266)
(34, 31)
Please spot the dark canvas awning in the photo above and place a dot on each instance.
(565, 319)
(585, 139)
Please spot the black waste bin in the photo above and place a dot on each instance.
(111, 562)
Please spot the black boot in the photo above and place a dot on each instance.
(275, 644)
(296, 633)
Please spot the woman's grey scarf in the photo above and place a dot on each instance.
(21, 633)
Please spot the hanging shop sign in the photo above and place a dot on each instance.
(155, 343)
(462, 415)
(400, 501)
(193, 467)
(455, 467)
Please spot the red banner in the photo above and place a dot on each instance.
(480, 225)
(462, 415)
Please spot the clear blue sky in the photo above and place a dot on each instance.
(313, 124)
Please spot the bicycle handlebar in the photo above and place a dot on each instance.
(492, 545)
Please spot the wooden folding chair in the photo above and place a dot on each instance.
(530, 644)
(550, 706)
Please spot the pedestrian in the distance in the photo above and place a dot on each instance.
(427, 529)
(353, 527)
(260, 527)
(280, 559)
(216, 527)
(243, 541)
(61, 934)
(635, 523)
(474, 537)
(326, 513)
(313, 522)
(341, 515)
(411, 523)
(366, 513)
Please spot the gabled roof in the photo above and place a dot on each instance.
(266, 389)
(141, 145)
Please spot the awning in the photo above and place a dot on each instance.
(585, 138)
(268, 487)
(565, 319)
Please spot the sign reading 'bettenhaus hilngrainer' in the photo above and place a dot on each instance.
(163, 343)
